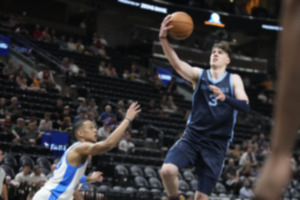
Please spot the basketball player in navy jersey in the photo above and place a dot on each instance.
(71, 168)
(277, 171)
(218, 95)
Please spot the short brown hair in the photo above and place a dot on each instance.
(224, 46)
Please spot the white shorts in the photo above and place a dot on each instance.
(44, 194)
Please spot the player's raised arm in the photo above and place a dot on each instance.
(184, 69)
(86, 149)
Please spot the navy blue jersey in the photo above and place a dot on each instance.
(210, 116)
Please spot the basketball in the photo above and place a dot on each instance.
(183, 26)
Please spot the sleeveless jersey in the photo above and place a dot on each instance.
(65, 178)
(210, 116)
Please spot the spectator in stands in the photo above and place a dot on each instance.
(104, 131)
(3, 108)
(153, 108)
(268, 84)
(75, 70)
(111, 71)
(21, 80)
(53, 36)
(10, 70)
(66, 125)
(19, 130)
(229, 174)
(254, 139)
(245, 145)
(37, 178)
(7, 121)
(93, 108)
(262, 97)
(107, 114)
(57, 111)
(33, 119)
(172, 87)
(82, 115)
(134, 73)
(79, 46)
(66, 66)
(102, 52)
(18, 113)
(245, 171)
(3, 188)
(102, 67)
(91, 117)
(46, 37)
(46, 123)
(46, 79)
(120, 110)
(262, 141)
(246, 191)
(13, 105)
(82, 105)
(33, 83)
(237, 151)
(248, 156)
(32, 134)
(125, 144)
(62, 43)
(37, 33)
(126, 74)
(71, 45)
(24, 175)
(66, 113)
(103, 40)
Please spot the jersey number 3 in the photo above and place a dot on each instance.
(212, 100)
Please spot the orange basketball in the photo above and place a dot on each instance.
(183, 26)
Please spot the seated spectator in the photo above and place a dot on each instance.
(46, 123)
(91, 117)
(33, 119)
(10, 70)
(107, 114)
(237, 151)
(262, 97)
(246, 191)
(81, 116)
(103, 40)
(102, 67)
(134, 73)
(262, 141)
(19, 130)
(102, 52)
(13, 105)
(18, 114)
(82, 105)
(71, 45)
(248, 156)
(32, 134)
(75, 70)
(79, 46)
(53, 36)
(37, 178)
(268, 84)
(229, 174)
(62, 43)
(66, 66)
(93, 108)
(126, 74)
(24, 175)
(172, 87)
(37, 33)
(66, 125)
(3, 108)
(66, 113)
(110, 71)
(153, 108)
(120, 110)
(46, 37)
(125, 144)
(46, 79)
(33, 83)
(7, 120)
(104, 131)
(58, 110)
(245, 171)
(21, 80)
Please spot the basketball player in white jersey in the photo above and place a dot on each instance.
(71, 168)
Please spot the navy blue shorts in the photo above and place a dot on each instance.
(205, 153)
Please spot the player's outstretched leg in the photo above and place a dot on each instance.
(169, 176)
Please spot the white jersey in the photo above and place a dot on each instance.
(62, 184)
